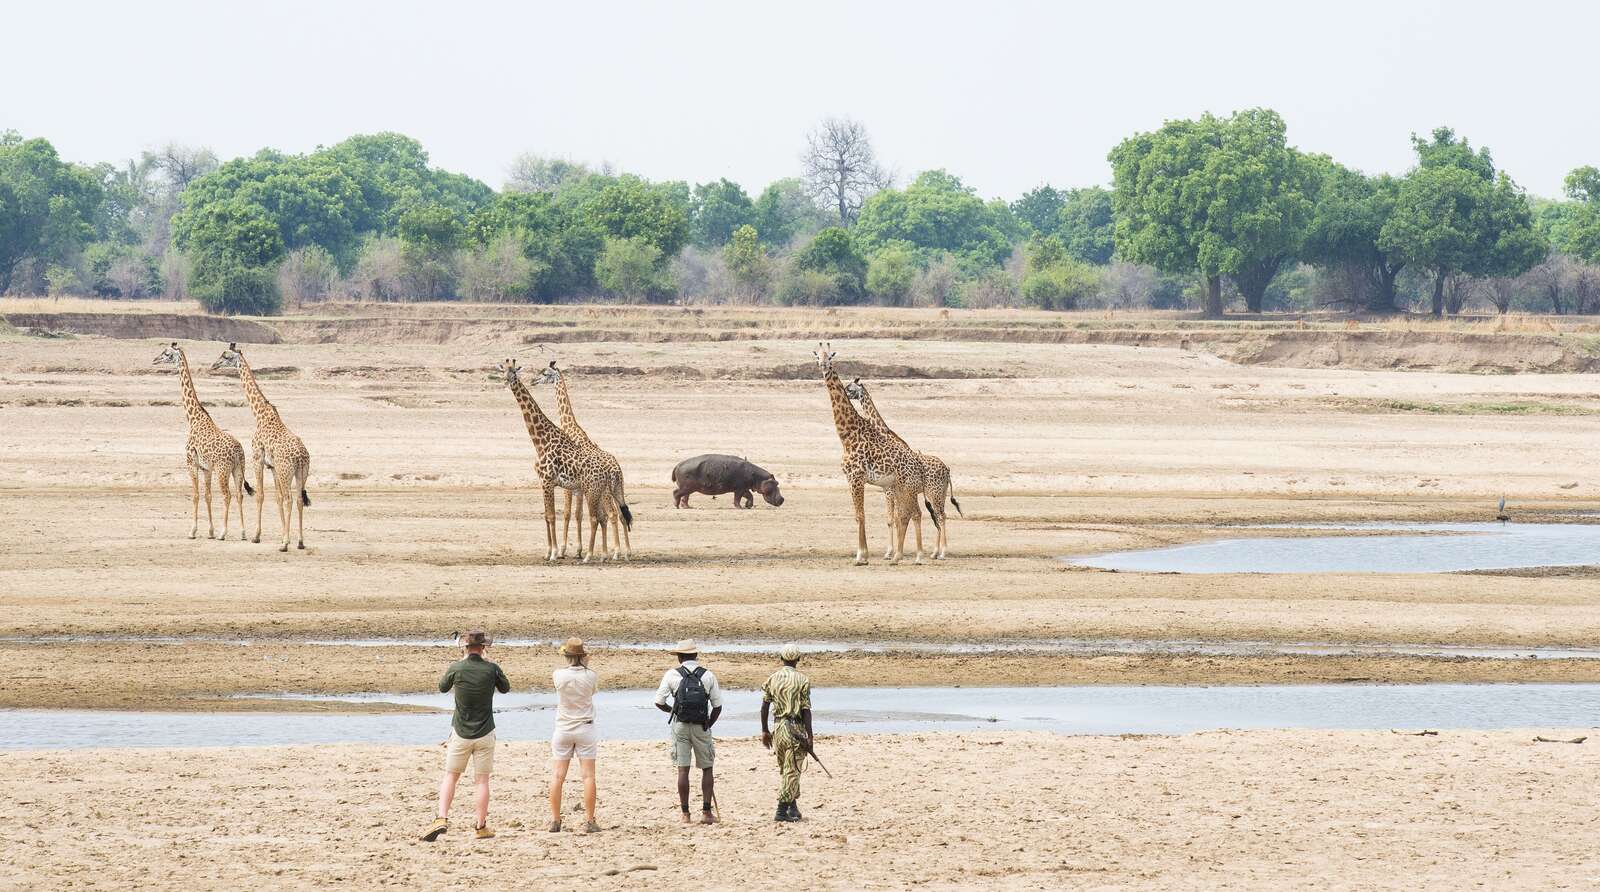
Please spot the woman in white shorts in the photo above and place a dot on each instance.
(575, 733)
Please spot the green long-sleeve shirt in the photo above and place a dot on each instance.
(475, 680)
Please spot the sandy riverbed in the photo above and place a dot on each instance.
(1258, 810)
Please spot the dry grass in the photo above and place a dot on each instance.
(93, 305)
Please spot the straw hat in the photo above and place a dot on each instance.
(573, 647)
(789, 653)
(686, 646)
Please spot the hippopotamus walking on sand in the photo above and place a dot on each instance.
(718, 474)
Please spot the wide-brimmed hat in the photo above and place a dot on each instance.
(686, 646)
(573, 647)
(475, 638)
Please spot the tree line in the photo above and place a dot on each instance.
(1204, 213)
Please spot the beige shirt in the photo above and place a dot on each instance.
(575, 687)
(670, 681)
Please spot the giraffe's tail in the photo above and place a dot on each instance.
(248, 489)
(952, 490)
(305, 500)
(931, 513)
(622, 502)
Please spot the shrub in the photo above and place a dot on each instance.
(890, 275)
(995, 288)
(1061, 285)
(809, 288)
(231, 288)
(630, 268)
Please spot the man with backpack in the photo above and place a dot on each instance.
(696, 705)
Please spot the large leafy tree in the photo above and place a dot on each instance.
(833, 253)
(630, 207)
(48, 207)
(1455, 215)
(1086, 225)
(1351, 211)
(1219, 196)
(1581, 233)
(716, 210)
(560, 242)
(1039, 209)
(937, 213)
(784, 211)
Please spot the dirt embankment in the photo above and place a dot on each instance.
(186, 326)
(1245, 344)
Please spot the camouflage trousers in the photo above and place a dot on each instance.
(788, 742)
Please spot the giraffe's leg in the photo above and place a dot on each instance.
(897, 539)
(241, 470)
(225, 481)
(580, 498)
(284, 480)
(261, 490)
(211, 523)
(194, 487)
(889, 512)
(915, 512)
(549, 522)
(614, 521)
(300, 506)
(566, 525)
(857, 495)
(596, 516)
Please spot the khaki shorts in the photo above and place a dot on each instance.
(583, 743)
(479, 749)
(692, 740)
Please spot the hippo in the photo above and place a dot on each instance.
(718, 474)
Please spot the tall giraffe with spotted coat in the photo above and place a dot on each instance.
(620, 524)
(559, 462)
(273, 446)
(872, 456)
(210, 450)
(935, 473)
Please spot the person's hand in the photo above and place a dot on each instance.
(766, 739)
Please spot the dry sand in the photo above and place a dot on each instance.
(1262, 810)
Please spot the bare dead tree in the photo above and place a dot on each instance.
(1458, 289)
(183, 165)
(1501, 291)
(841, 169)
(530, 172)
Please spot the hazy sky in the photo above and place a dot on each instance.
(1005, 95)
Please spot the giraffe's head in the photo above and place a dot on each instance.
(229, 359)
(547, 375)
(824, 355)
(855, 390)
(512, 370)
(170, 355)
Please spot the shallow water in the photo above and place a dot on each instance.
(1062, 646)
(1417, 548)
(629, 715)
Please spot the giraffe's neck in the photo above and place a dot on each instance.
(540, 429)
(198, 416)
(569, 421)
(869, 410)
(845, 418)
(265, 414)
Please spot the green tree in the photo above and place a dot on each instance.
(560, 243)
(832, 253)
(785, 211)
(747, 262)
(1220, 196)
(890, 274)
(1086, 225)
(1346, 227)
(1053, 279)
(716, 210)
(1579, 233)
(631, 208)
(630, 268)
(1040, 209)
(937, 212)
(48, 207)
(430, 235)
(1455, 215)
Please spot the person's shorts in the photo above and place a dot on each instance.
(480, 750)
(583, 743)
(695, 740)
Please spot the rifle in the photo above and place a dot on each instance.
(812, 752)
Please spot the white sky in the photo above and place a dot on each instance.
(1005, 95)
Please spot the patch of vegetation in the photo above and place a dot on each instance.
(1469, 408)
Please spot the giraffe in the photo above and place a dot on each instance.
(209, 449)
(560, 463)
(871, 456)
(274, 446)
(935, 473)
(620, 518)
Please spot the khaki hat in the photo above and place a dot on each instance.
(686, 646)
(789, 653)
(475, 638)
(573, 647)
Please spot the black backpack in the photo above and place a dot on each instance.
(692, 703)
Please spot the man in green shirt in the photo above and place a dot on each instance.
(474, 681)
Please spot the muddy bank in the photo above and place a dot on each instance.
(1485, 352)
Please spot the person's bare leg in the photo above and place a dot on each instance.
(683, 792)
(447, 792)
(589, 787)
(557, 780)
(481, 800)
(708, 790)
